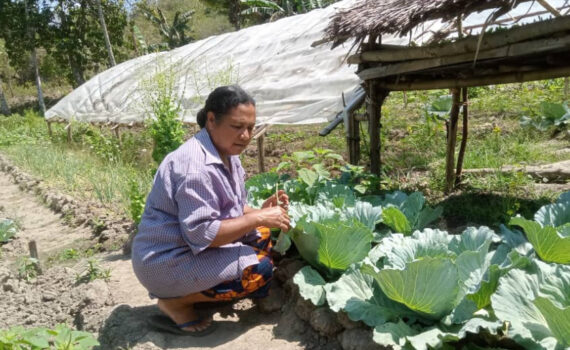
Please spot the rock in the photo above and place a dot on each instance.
(346, 322)
(288, 268)
(324, 321)
(5, 275)
(274, 301)
(358, 339)
(97, 293)
(10, 286)
(49, 296)
(31, 319)
(304, 308)
(290, 287)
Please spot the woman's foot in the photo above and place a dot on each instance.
(181, 313)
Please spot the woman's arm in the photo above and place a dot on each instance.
(233, 229)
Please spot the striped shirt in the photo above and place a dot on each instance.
(193, 191)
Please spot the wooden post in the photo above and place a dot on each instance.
(50, 132)
(451, 140)
(117, 133)
(34, 254)
(465, 100)
(353, 139)
(375, 100)
(566, 86)
(261, 154)
(68, 128)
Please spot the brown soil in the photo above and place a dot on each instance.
(116, 310)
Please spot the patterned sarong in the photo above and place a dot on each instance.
(255, 279)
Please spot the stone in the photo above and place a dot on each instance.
(10, 286)
(49, 296)
(345, 321)
(324, 321)
(288, 268)
(304, 308)
(358, 339)
(97, 293)
(274, 301)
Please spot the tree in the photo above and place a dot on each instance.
(23, 29)
(231, 8)
(175, 33)
(108, 45)
(79, 39)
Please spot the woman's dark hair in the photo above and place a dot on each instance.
(221, 101)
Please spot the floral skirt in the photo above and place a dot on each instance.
(255, 280)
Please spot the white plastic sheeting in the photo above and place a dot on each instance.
(292, 82)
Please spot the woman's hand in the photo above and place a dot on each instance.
(272, 201)
(274, 217)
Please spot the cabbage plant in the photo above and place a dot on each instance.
(424, 290)
(549, 233)
(406, 214)
(536, 305)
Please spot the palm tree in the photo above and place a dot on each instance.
(174, 33)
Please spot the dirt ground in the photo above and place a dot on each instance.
(116, 310)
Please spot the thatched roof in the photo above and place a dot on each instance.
(377, 17)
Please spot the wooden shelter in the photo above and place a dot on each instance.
(533, 51)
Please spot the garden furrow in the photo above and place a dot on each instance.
(114, 310)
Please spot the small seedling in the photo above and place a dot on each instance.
(69, 254)
(92, 272)
(28, 268)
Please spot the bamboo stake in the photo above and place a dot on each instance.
(450, 159)
(68, 128)
(50, 133)
(464, 97)
(34, 254)
(261, 154)
(376, 98)
(549, 7)
(353, 139)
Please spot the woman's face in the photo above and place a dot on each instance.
(233, 133)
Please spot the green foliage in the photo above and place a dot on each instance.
(105, 146)
(165, 127)
(59, 338)
(174, 33)
(28, 268)
(551, 114)
(137, 199)
(405, 214)
(8, 230)
(549, 233)
(92, 272)
(28, 128)
(69, 254)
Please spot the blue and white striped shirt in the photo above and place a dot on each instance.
(193, 191)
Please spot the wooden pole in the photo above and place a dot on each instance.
(353, 139)
(375, 100)
(34, 254)
(261, 154)
(68, 128)
(514, 77)
(50, 132)
(117, 133)
(451, 140)
(460, 157)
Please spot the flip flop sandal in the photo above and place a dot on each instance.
(164, 323)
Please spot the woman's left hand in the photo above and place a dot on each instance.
(272, 201)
